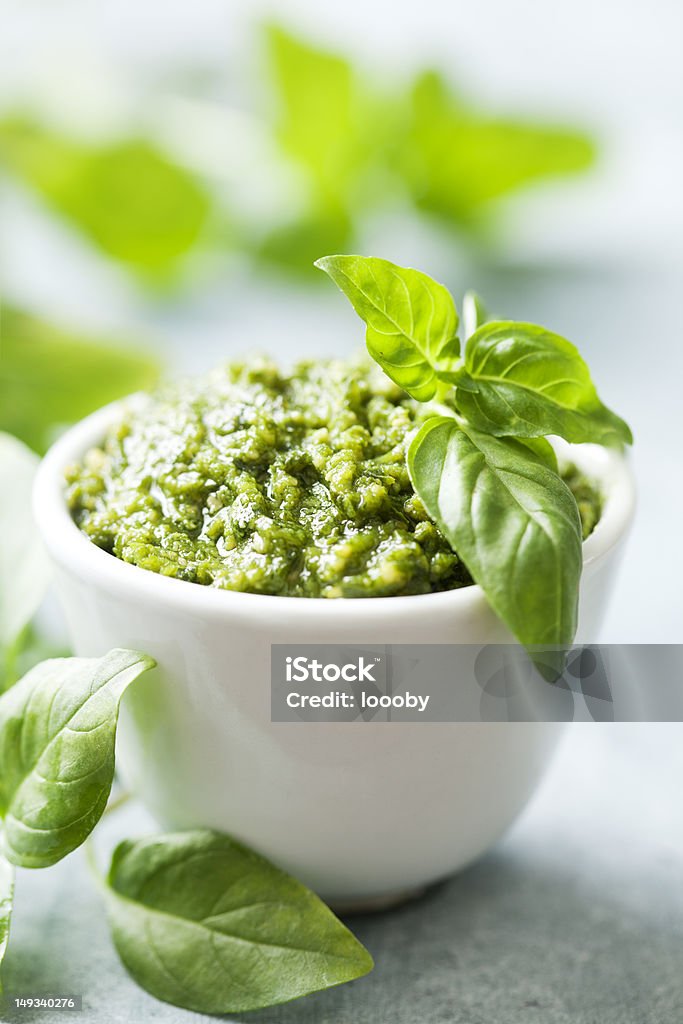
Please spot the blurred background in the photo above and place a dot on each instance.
(168, 173)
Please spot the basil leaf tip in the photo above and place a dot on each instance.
(6, 900)
(57, 737)
(24, 567)
(512, 519)
(411, 320)
(480, 462)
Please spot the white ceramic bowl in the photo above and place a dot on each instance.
(359, 811)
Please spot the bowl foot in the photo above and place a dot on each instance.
(376, 904)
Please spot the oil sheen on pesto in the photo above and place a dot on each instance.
(256, 480)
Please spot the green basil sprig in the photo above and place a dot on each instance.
(24, 570)
(202, 922)
(126, 196)
(198, 919)
(484, 471)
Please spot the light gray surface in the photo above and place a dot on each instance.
(575, 918)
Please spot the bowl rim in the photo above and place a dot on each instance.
(74, 552)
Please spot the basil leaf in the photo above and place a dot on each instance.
(511, 518)
(204, 923)
(411, 320)
(57, 735)
(6, 900)
(522, 380)
(24, 568)
(50, 378)
(126, 196)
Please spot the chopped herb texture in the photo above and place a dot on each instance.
(258, 480)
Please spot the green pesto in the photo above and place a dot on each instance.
(255, 480)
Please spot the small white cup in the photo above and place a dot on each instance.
(361, 812)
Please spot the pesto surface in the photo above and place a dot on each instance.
(255, 480)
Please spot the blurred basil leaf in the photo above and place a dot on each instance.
(297, 245)
(126, 196)
(50, 378)
(317, 119)
(24, 568)
(411, 320)
(456, 160)
(327, 122)
(57, 735)
(6, 899)
(360, 143)
(32, 646)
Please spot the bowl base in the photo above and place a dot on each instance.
(376, 904)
